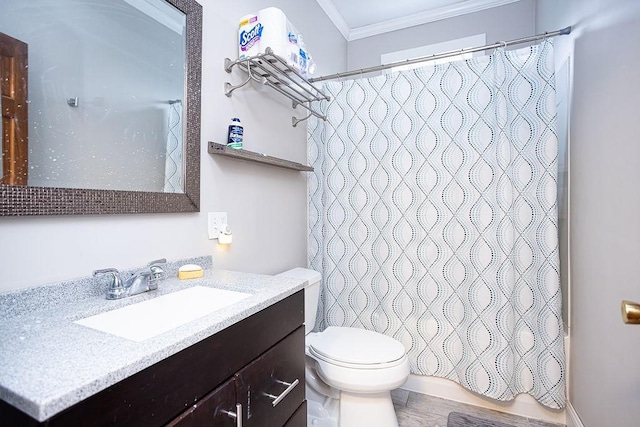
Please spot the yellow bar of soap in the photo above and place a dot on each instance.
(190, 271)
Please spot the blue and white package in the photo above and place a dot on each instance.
(250, 33)
(270, 28)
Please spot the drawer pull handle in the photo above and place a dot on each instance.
(236, 415)
(278, 399)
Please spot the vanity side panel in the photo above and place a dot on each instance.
(299, 419)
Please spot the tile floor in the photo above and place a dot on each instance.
(420, 410)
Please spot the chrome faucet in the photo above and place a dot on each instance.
(141, 281)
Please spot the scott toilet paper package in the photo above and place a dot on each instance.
(271, 28)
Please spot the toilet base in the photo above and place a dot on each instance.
(371, 410)
(322, 411)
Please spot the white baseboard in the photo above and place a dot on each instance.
(573, 420)
(523, 405)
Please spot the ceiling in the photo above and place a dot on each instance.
(357, 19)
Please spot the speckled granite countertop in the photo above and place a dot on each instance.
(48, 363)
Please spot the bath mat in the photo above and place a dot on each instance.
(456, 419)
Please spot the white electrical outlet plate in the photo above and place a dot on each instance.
(217, 220)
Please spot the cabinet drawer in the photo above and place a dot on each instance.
(272, 387)
(211, 410)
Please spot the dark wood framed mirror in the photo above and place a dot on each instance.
(18, 199)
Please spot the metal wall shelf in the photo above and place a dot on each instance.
(223, 150)
(273, 71)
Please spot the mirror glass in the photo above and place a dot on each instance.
(112, 90)
(105, 90)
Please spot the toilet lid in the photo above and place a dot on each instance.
(356, 346)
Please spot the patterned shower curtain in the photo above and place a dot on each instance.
(433, 219)
(173, 162)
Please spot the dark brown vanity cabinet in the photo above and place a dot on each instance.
(254, 368)
(266, 393)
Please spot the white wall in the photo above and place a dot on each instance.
(604, 202)
(266, 206)
(506, 22)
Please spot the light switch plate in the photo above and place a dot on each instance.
(217, 220)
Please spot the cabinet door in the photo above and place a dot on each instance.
(272, 387)
(218, 409)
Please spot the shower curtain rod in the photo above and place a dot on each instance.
(546, 35)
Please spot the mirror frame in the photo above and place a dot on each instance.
(25, 200)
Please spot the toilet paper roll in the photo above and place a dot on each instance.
(270, 28)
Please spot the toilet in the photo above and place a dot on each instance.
(350, 372)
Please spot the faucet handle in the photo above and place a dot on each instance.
(157, 272)
(116, 288)
(155, 267)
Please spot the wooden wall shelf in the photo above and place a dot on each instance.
(223, 150)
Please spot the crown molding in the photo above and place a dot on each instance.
(469, 6)
(438, 14)
(336, 17)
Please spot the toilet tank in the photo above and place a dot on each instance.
(311, 294)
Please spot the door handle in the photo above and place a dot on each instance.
(630, 312)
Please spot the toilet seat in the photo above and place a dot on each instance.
(355, 348)
(318, 357)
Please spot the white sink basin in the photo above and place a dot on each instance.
(144, 320)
